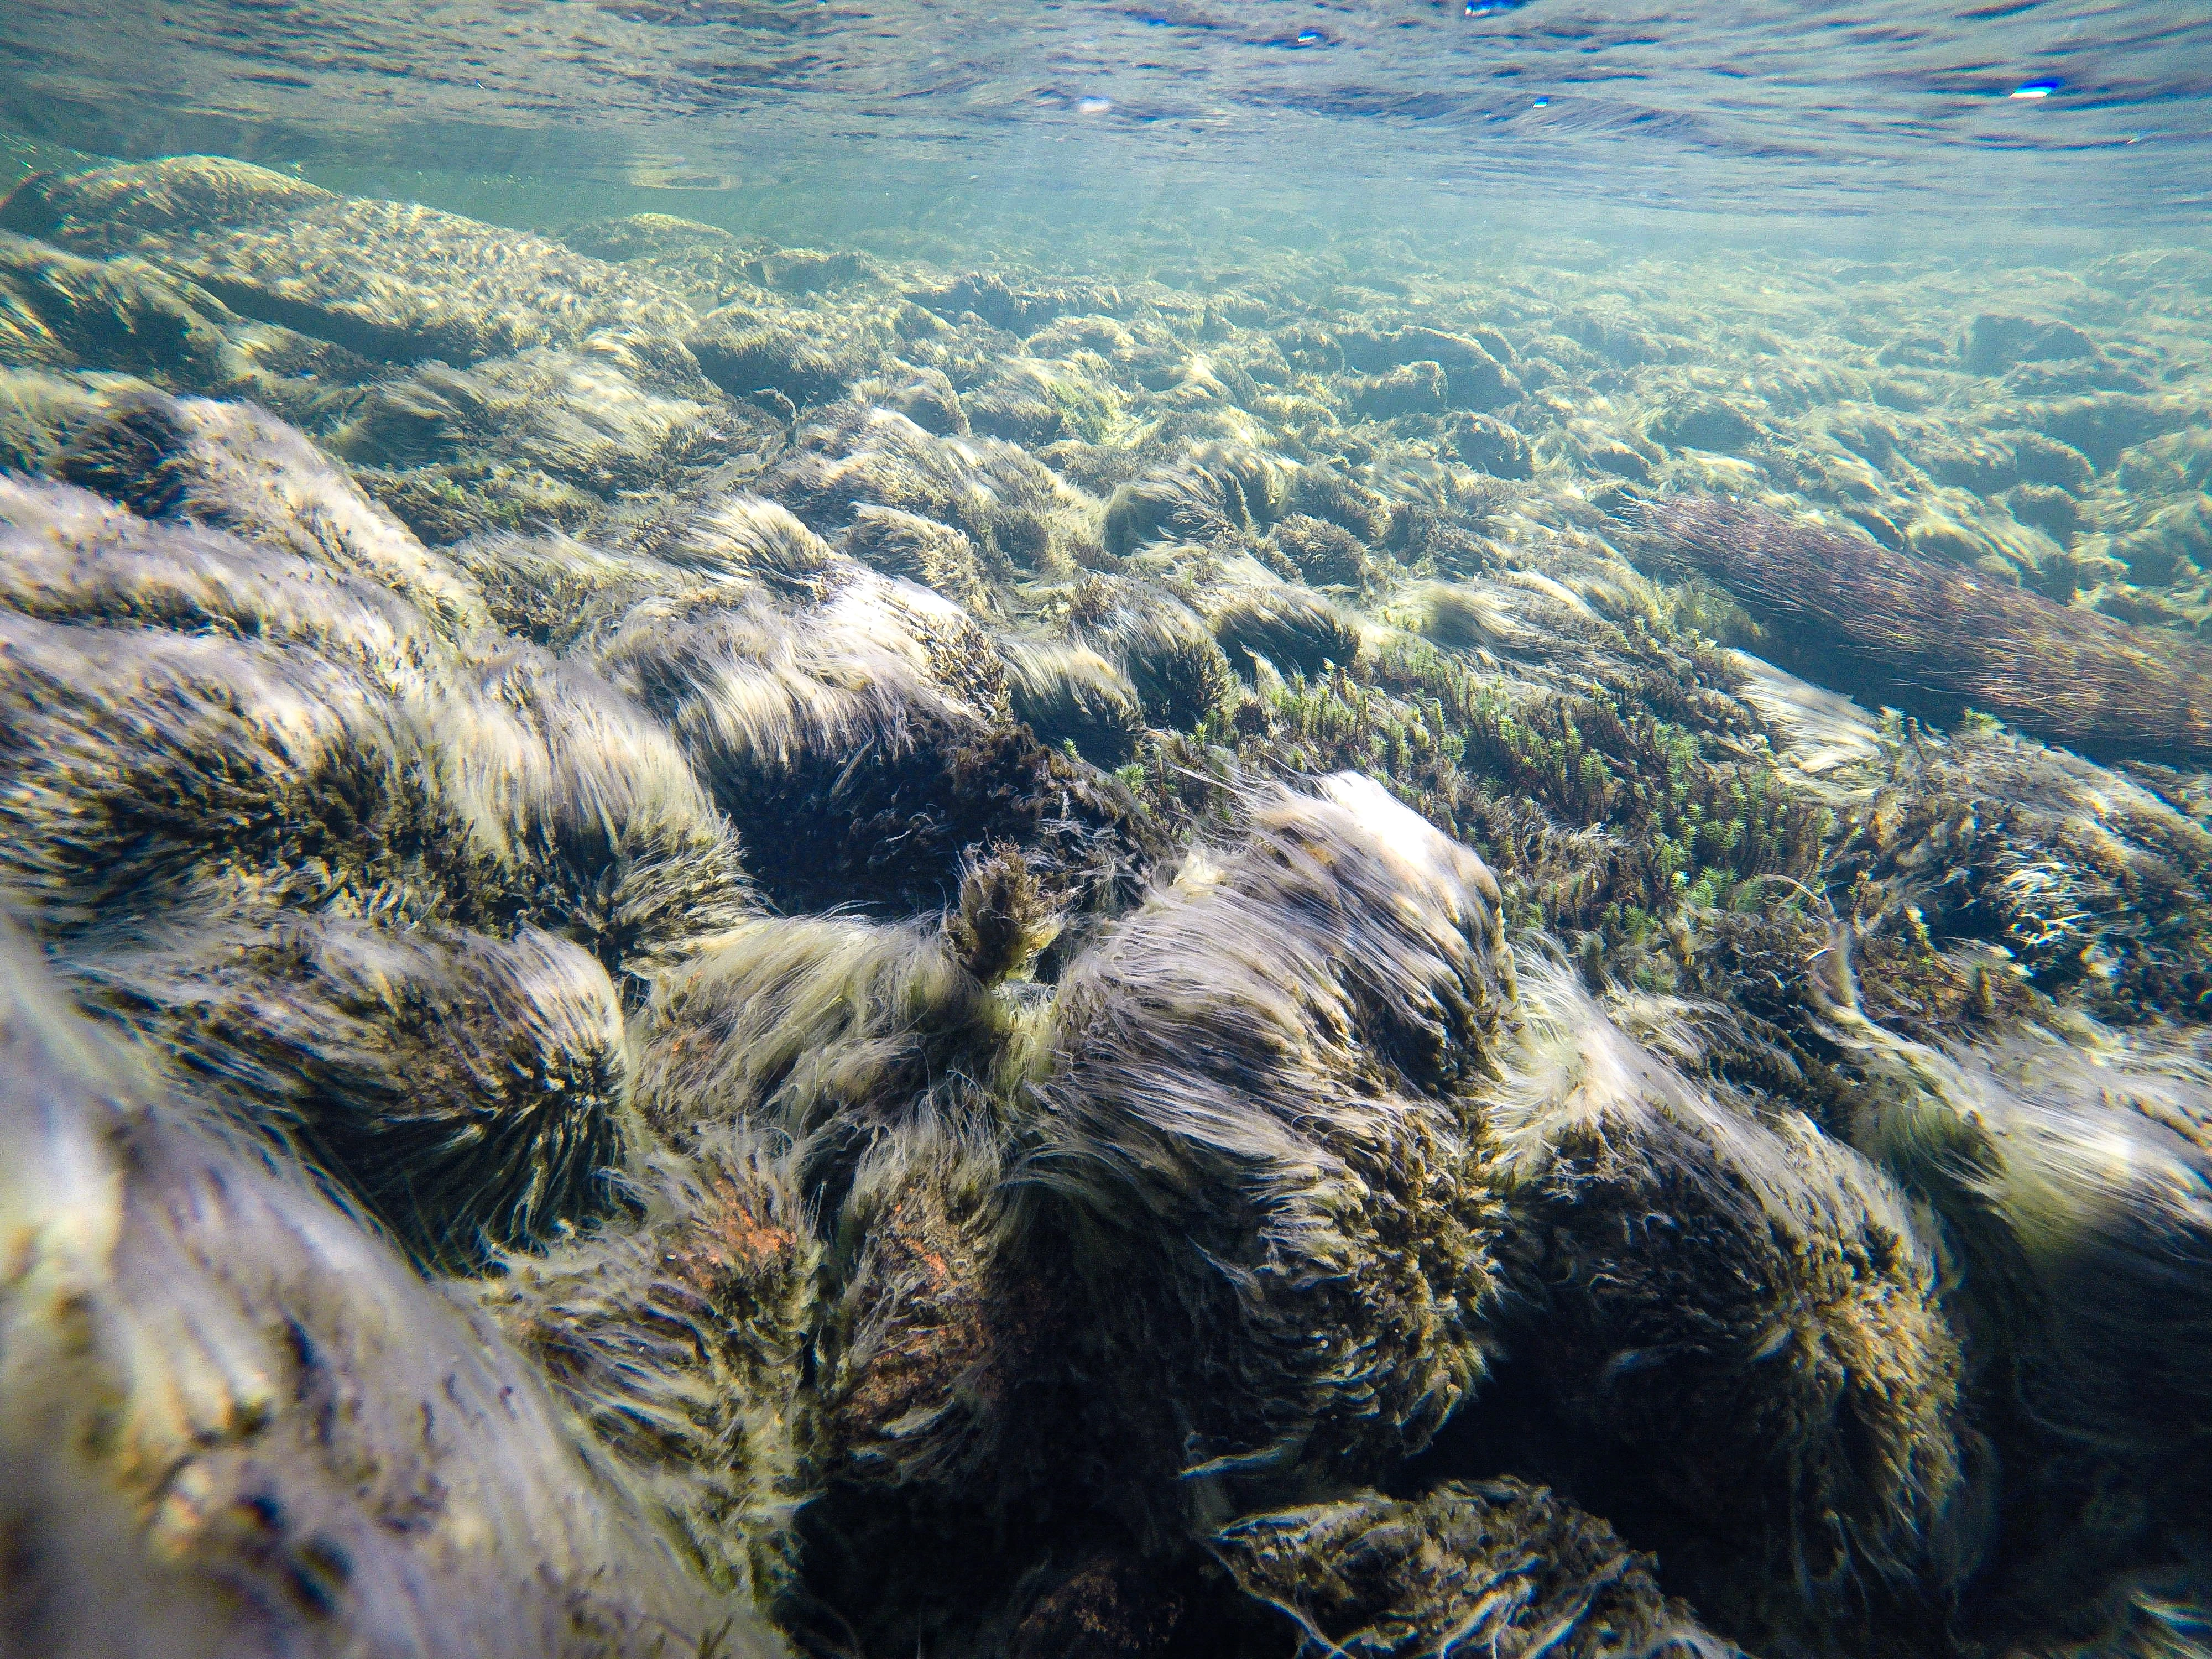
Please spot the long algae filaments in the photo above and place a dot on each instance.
(1938, 638)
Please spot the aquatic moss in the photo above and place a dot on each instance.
(1595, 813)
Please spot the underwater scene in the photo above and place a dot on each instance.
(1092, 829)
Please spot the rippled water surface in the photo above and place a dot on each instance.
(2045, 115)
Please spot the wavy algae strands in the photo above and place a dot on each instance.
(1933, 638)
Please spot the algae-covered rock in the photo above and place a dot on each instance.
(1257, 1080)
(921, 549)
(1287, 627)
(1165, 648)
(677, 1342)
(1016, 305)
(621, 411)
(1324, 554)
(1068, 693)
(294, 721)
(1913, 628)
(995, 962)
(1787, 1330)
(746, 353)
(1499, 1563)
(392, 280)
(1995, 341)
(122, 314)
(1218, 490)
(1401, 390)
(237, 1422)
(1474, 379)
(858, 738)
(472, 1093)
(1703, 422)
(1491, 445)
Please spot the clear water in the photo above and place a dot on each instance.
(1742, 469)
(1968, 126)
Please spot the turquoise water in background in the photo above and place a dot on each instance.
(939, 127)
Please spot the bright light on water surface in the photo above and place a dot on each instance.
(2085, 113)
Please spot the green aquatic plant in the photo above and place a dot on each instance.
(1594, 816)
(452, 502)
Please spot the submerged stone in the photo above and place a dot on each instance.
(765, 938)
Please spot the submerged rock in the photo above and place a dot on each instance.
(391, 281)
(1498, 1563)
(716, 938)
(1939, 640)
(237, 1422)
(1263, 1129)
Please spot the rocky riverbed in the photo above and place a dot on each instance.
(720, 946)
